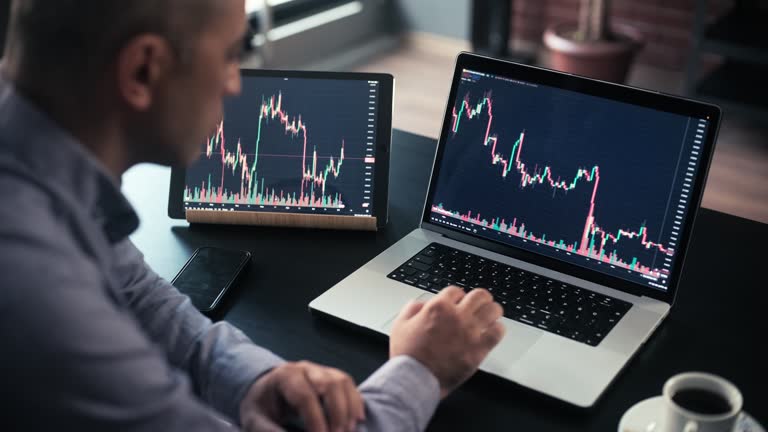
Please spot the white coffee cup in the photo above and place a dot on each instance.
(685, 419)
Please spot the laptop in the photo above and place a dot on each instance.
(571, 200)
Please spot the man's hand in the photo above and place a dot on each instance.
(305, 389)
(450, 334)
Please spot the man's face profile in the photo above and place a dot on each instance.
(190, 101)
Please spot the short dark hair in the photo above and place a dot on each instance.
(81, 37)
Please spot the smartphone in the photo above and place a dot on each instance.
(208, 275)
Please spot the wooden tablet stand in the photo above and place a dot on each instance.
(282, 220)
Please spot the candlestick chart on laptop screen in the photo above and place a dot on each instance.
(594, 182)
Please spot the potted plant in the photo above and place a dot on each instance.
(593, 47)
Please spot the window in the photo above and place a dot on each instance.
(285, 11)
(302, 32)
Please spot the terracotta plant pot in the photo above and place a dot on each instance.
(607, 60)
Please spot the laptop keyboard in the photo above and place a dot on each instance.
(554, 306)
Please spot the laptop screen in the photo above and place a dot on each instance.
(594, 182)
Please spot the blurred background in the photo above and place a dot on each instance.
(716, 50)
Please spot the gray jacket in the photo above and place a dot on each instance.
(92, 338)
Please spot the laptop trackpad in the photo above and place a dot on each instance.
(518, 339)
(386, 327)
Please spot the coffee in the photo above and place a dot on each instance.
(702, 401)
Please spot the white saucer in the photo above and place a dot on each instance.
(645, 416)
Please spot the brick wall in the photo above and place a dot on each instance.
(666, 24)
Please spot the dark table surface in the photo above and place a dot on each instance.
(717, 324)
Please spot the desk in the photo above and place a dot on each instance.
(715, 326)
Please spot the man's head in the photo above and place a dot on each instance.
(152, 72)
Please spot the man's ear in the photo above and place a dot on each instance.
(142, 64)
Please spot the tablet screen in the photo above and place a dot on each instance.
(294, 145)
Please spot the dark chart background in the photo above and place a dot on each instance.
(644, 176)
(331, 112)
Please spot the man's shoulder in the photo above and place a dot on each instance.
(35, 231)
(40, 256)
(26, 203)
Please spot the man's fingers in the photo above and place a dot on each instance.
(356, 403)
(410, 309)
(336, 406)
(452, 293)
(325, 399)
(300, 394)
(476, 299)
(488, 313)
(494, 334)
(343, 403)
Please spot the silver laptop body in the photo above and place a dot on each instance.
(559, 366)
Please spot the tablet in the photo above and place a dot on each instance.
(306, 149)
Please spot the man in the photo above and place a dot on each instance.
(92, 338)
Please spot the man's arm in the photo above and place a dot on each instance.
(434, 347)
(221, 360)
(401, 395)
(72, 359)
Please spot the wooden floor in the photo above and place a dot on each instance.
(423, 64)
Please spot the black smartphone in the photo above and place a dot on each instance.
(208, 275)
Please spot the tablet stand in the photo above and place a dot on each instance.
(282, 220)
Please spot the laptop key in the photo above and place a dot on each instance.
(424, 259)
(418, 266)
(526, 319)
(510, 311)
(576, 335)
(543, 325)
(552, 321)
